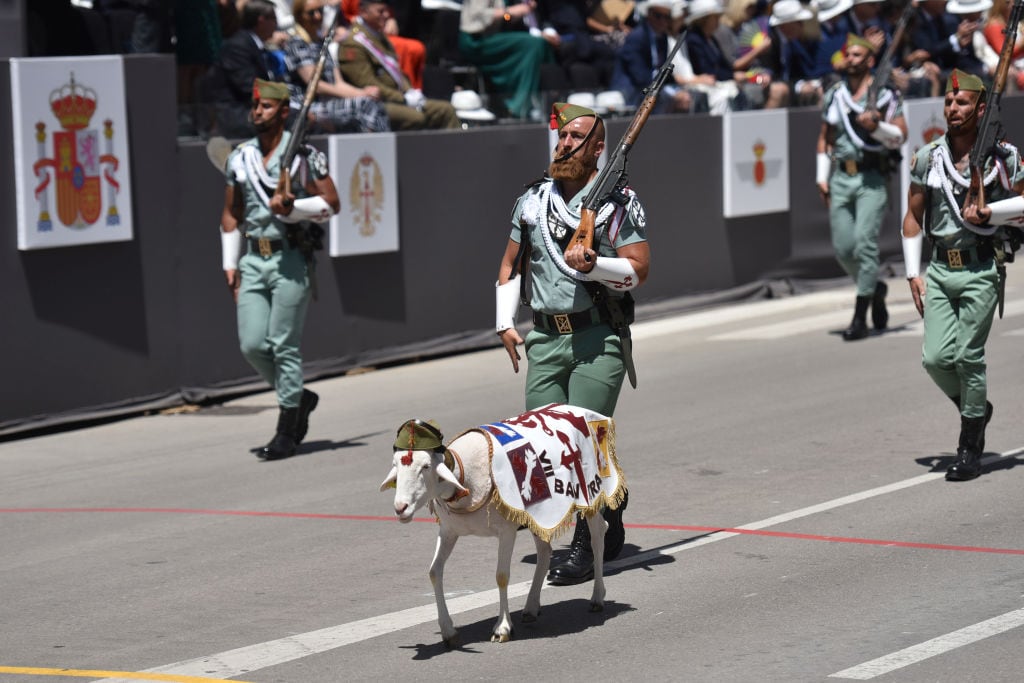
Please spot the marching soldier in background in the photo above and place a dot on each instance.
(860, 140)
(271, 281)
(575, 354)
(963, 281)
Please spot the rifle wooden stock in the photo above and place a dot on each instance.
(990, 129)
(614, 172)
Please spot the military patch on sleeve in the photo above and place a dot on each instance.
(317, 162)
(636, 214)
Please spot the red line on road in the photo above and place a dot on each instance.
(663, 527)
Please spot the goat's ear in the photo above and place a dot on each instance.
(446, 474)
(391, 481)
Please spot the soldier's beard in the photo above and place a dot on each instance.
(572, 168)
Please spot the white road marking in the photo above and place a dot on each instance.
(933, 647)
(812, 323)
(245, 660)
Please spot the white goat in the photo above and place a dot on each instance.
(464, 507)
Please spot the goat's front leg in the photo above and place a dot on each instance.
(506, 541)
(598, 526)
(445, 543)
(532, 609)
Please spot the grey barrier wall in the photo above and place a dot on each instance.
(108, 329)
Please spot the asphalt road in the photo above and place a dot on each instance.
(788, 521)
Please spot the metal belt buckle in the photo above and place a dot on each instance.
(850, 166)
(562, 323)
(953, 258)
(264, 245)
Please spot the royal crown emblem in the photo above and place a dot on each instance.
(77, 161)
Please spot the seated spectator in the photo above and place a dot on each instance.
(339, 107)
(509, 49)
(791, 58)
(227, 86)
(367, 58)
(588, 62)
(974, 48)
(993, 30)
(645, 50)
(412, 53)
(830, 58)
(713, 69)
(610, 21)
(864, 19)
(753, 49)
(944, 39)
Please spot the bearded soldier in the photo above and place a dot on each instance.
(272, 281)
(860, 140)
(968, 247)
(578, 350)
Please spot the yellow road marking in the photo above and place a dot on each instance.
(88, 673)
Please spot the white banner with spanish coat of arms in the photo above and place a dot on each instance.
(925, 122)
(365, 171)
(755, 166)
(72, 168)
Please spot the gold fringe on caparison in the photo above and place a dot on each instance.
(523, 518)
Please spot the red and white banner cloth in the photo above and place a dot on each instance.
(552, 462)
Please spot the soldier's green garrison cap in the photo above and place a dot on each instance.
(961, 80)
(269, 90)
(417, 435)
(563, 112)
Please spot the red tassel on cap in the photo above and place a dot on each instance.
(956, 82)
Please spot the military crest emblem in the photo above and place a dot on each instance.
(366, 194)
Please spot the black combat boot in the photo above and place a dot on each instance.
(579, 566)
(879, 313)
(988, 418)
(858, 328)
(615, 537)
(307, 404)
(968, 456)
(283, 444)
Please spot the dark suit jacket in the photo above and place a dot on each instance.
(241, 62)
(706, 56)
(933, 34)
(634, 68)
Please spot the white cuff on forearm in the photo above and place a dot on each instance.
(314, 209)
(614, 273)
(1007, 211)
(889, 134)
(822, 169)
(506, 298)
(230, 248)
(912, 255)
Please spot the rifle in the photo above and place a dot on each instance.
(284, 179)
(612, 177)
(990, 130)
(883, 69)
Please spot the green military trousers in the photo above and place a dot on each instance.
(272, 301)
(582, 369)
(958, 310)
(856, 206)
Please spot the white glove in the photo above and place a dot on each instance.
(415, 98)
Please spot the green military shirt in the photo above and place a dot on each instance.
(932, 168)
(542, 210)
(257, 183)
(839, 110)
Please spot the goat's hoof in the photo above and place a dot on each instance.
(500, 637)
(596, 607)
(452, 641)
(529, 618)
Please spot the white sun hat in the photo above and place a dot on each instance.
(829, 9)
(470, 107)
(698, 9)
(968, 6)
(786, 11)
